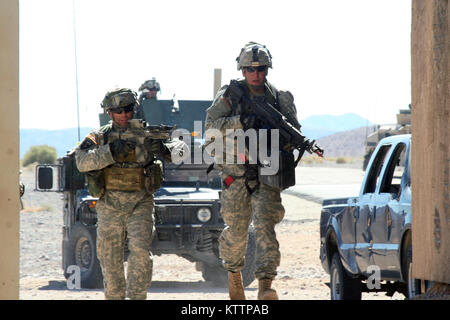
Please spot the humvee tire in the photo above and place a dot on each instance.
(81, 251)
(219, 276)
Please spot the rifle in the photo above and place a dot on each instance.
(139, 132)
(269, 117)
(159, 132)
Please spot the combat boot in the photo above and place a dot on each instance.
(264, 290)
(235, 287)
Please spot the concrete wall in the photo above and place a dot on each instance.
(430, 140)
(9, 149)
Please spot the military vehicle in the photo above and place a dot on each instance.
(403, 126)
(187, 207)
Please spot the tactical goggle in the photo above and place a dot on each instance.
(253, 69)
(128, 108)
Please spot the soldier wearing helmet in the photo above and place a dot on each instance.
(149, 90)
(243, 195)
(121, 170)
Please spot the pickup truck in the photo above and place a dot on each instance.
(365, 241)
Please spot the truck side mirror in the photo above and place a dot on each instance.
(45, 178)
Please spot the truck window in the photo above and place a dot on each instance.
(408, 171)
(375, 169)
(393, 176)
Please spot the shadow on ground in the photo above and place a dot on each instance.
(156, 287)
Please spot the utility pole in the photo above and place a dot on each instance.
(217, 81)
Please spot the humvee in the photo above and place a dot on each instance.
(187, 207)
(403, 126)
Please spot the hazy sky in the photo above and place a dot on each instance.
(334, 56)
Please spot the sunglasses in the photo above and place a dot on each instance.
(124, 109)
(253, 69)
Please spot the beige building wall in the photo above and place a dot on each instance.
(9, 149)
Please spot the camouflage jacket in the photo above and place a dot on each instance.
(94, 152)
(93, 155)
(222, 116)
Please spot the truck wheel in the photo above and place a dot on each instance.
(413, 285)
(219, 276)
(81, 251)
(342, 286)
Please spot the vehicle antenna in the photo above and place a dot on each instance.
(76, 67)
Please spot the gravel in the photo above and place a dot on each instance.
(300, 275)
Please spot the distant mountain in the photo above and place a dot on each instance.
(62, 140)
(318, 126)
(350, 143)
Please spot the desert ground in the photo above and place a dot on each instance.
(300, 275)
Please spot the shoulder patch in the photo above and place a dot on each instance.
(88, 142)
(92, 137)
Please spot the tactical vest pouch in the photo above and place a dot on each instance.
(131, 157)
(124, 179)
(285, 176)
(96, 183)
(154, 176)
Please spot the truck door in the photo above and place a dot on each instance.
(346, 223)
(389, 216)
(367, 207)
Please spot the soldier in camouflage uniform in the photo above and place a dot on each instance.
(149, 90)
(120, 166)
(242, 193)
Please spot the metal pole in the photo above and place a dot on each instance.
(76, 67)
(217, 80)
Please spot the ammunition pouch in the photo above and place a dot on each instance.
(129, 157)
(285, 176)
(124, 179)
(96, 183)
(154, 176)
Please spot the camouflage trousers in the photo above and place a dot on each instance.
(124, 215)
(237, 206)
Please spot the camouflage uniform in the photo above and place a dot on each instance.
(237, 203)
(125, 208)
(148, 85)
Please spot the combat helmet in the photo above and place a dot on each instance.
(119, 98)
(150, 85)
(254, 54)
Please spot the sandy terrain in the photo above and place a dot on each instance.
(300, 275)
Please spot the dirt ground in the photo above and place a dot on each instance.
(300, 275)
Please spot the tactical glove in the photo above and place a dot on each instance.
(121, 148)
(249, 121)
